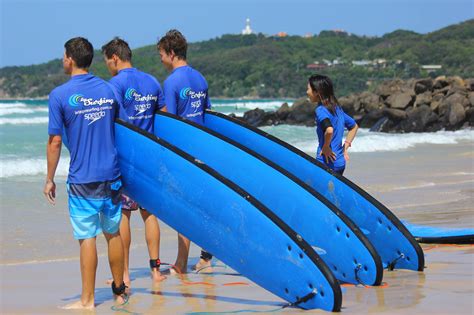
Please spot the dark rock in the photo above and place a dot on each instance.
(395, 115)
(258, 117)
(254, 117)
(390, 87)
(302, 112)
(400, 100)
(440, 82)
(455, 116)
(283, 111)
(456, 81)
(436, 126)
(436, 101)
(469, 84)
(369, 101)
(450, 100)
(423, 99)
(419, 119)
(421, 86)
(371, 118)
(384, 124)
(457, 89)
(470, 116)
(347, 103)
(471, 99)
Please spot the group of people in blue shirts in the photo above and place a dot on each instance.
(84, 110)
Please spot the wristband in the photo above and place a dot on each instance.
(348, 143)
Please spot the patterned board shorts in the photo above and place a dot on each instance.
(95, 208)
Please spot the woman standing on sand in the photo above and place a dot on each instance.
(330, 124)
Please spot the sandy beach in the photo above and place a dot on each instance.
(427, 184)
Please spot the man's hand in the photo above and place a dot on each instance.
(50, 191)
(326, 151)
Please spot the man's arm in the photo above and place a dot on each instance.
(53, 152)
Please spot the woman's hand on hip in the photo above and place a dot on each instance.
(326, 151)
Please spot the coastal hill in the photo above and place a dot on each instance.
(261, 66)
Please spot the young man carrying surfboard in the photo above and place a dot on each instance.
(140, 97)
(84, 109)
(186, 95)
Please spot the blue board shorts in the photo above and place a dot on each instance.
(95, 208)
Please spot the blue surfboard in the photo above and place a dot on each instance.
(440, 235)
(343, 247)
(218, 215)
(393, 242)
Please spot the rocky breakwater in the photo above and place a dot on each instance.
(416, 105)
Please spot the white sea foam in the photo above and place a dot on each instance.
(12, 105)
(304, 138)
(375, 141)
(22, 110)
(30, 167)
(24, 121)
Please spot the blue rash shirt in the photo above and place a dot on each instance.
(140, 97)
(186, 94)
(339, 121)
(85, 108)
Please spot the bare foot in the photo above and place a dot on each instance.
(157, 276)
(121, 299)
(78, 306)
(173, 270)
(203, 266)
(179, 269)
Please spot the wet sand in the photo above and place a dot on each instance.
(431, 185)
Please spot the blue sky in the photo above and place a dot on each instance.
(34, 31)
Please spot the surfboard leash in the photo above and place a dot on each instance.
(358, 279)
(186, 282)
(391, 265)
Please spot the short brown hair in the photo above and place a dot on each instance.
(174, 41)
(118, 47)
(80, 50)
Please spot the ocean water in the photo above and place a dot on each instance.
(23, 134)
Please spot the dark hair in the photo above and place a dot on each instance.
(322, 85)
(81, 51)
(174, 41)
(118, 47)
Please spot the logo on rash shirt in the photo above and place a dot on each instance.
(93, 117)
(75, 99)
(187, 93)
(141, 108)
(184, 93)
(130, 93)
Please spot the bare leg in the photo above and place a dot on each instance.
(116, 259)
(126, 235)
(152, 236)
(88, 253)
(183, 253)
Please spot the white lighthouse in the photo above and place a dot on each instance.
(247, 30)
